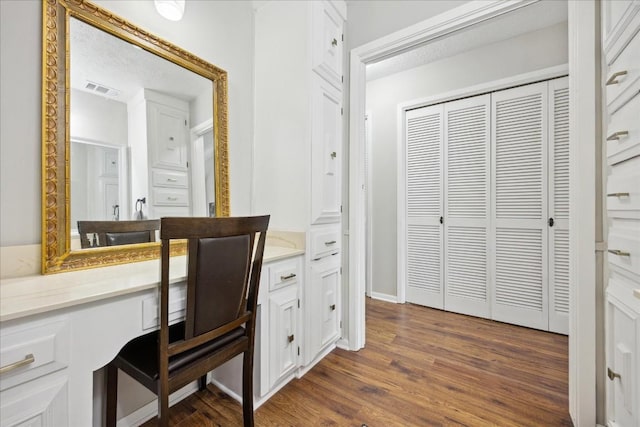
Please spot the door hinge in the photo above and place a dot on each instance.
(185, 122)
(340, 208)
(298, 350)
(341, 324)
(342, 37)
(340, 270)
(342, 79)
(298, 303)
(187, 164)
(341, 111)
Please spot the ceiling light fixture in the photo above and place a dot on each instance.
(170, 9)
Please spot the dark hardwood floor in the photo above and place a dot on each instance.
(420, 367)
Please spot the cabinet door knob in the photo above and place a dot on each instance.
(618, 252)
(290, 338)
(617, 135)
(170, 138)
(612, 375)
(332, 307)
(28, 359)
(613, 80)
(333, 154)
(334, 42)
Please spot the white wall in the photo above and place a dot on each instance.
(220, 32)
(531, 51)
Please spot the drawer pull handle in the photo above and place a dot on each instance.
(290, 276)
(290, 338)
(612, 375)
(332, 242)
(614, 78)
(172, 180)
(28, 359)
(617, 135)
(334, 42)
(172, 198)
(618, 195)
(332, 307)
(619, 252)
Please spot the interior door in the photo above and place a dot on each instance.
(466, 204)
(424, 237)
(519, 156)
(559, 205)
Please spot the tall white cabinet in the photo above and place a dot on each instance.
(621, 131)
(159, 141)
(298, 151)
(486, 184)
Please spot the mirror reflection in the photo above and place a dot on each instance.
(142, 145)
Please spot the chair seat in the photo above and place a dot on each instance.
(139, 358)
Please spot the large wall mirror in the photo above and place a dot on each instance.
(134, 129)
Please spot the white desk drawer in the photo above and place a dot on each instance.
(623, 132)
(624, 245)
(283, 273)
(325, 241)
(32, 350)
(163, 178)
(170, 197)
(177, 307)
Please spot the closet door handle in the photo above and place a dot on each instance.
(618, 252)
(334, 42)
(441, 220)
(617, 135)
(332, 307)
(290, 338)
(551, 222)
(613, 80)
(612, 375)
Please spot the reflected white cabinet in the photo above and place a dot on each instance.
(158, 138)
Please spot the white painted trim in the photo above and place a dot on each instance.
(384, 297)
(150, 410)
(196, 172)
(481, 89)
(202, 128)
(369, 207)
(453, 20)
(584, 86)
(401, 205)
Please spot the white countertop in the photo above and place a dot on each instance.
(34, 294)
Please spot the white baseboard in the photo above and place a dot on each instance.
(150, 410)
(343, 344)
(384, 297)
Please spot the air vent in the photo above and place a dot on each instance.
(101, 89)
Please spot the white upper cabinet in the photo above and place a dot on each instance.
(328, 42)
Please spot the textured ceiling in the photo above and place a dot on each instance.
(527, 19)
(99, 57)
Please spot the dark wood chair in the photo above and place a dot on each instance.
(223, 274)
(111, 233)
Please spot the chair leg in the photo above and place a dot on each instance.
(247, 389)
(202, 382)
(163, 409)
(112, 394)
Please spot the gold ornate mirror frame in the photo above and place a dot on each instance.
(56, 223)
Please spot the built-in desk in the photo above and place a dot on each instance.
(73, 324)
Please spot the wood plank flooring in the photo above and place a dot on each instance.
(420, 367)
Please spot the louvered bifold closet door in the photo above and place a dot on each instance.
(424, 133)
(466, 202)
(559, 205)
(519, 156)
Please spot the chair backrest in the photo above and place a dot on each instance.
(113, 233)
(223, 275)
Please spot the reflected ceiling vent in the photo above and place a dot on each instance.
(101, 89)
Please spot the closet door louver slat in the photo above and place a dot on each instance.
(466, 195)
(559, 205)
(424, 132)
(519, 127)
